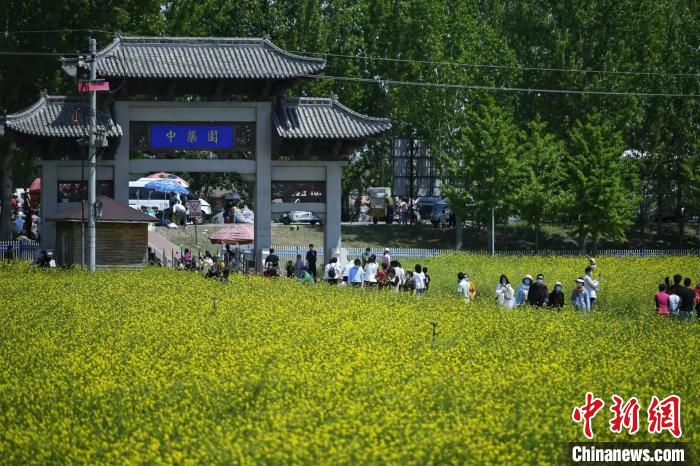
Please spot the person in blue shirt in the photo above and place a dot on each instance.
(580, 297)
(356, 276)
(523, 290)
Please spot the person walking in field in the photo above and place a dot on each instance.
(505, 295)
(579, 297)
(523, 290)
(661, 299)
(386, 258)
(346, 270)
(311, 256)
(687, 295)
(556, 297)
(419, 278)
(410, 283)
(371, 271)
(381, 276)
(538, 294)
(332, 272)
(463, 286)
(356, 276)
(299, 267)
(591, 284)
(697, 300)
(365, 256)
(426, 278)
(400, 275)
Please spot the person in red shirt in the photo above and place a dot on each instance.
(697, 300)
(661, 299)
(381, 276)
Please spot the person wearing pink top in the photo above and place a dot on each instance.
(661, 298)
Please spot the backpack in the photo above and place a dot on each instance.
(332, 273)
(507, 293)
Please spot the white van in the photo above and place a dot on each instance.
(144, 199)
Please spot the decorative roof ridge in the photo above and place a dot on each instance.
(203, 41)
(330, 102)
(44, 100)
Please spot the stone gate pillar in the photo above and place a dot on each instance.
(263, 181)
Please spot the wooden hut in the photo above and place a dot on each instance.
(122, 235)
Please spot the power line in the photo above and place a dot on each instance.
(52, 31)
(37, 54)
(509, 67)
(502, 88)
(210, 67)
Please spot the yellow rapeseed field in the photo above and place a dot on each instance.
(165, 367)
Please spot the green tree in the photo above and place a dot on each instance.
(53, 27)
(480, 165)
(539, 177)
(602, 182)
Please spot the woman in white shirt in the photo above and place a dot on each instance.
(400, 276)
(505, 294)
(371, 271)
(419, 277)
(590, 284)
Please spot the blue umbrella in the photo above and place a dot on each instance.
(167, 186)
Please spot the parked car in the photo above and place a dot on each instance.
(299, 216)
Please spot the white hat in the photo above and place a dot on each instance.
(528, 276)
(557, 284)
(579, 280)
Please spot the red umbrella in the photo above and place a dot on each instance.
(35, 193)
(240, 233)
(35, 187)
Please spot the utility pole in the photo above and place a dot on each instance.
(92, 162)
(493, 231)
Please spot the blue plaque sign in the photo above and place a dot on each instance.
(191, 137)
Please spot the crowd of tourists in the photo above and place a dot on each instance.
(678, 299)
(210, 265)
(367, 271)
(536, 293)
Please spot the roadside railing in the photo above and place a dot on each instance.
(19, 250)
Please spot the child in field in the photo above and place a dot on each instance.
(410, 283)
(427, 278)
(580, 298)
(463, 286)
(661, 299)
(306, 278)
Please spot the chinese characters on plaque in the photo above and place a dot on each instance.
(194, 137)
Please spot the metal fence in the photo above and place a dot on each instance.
(20, 250)
(290, 252)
